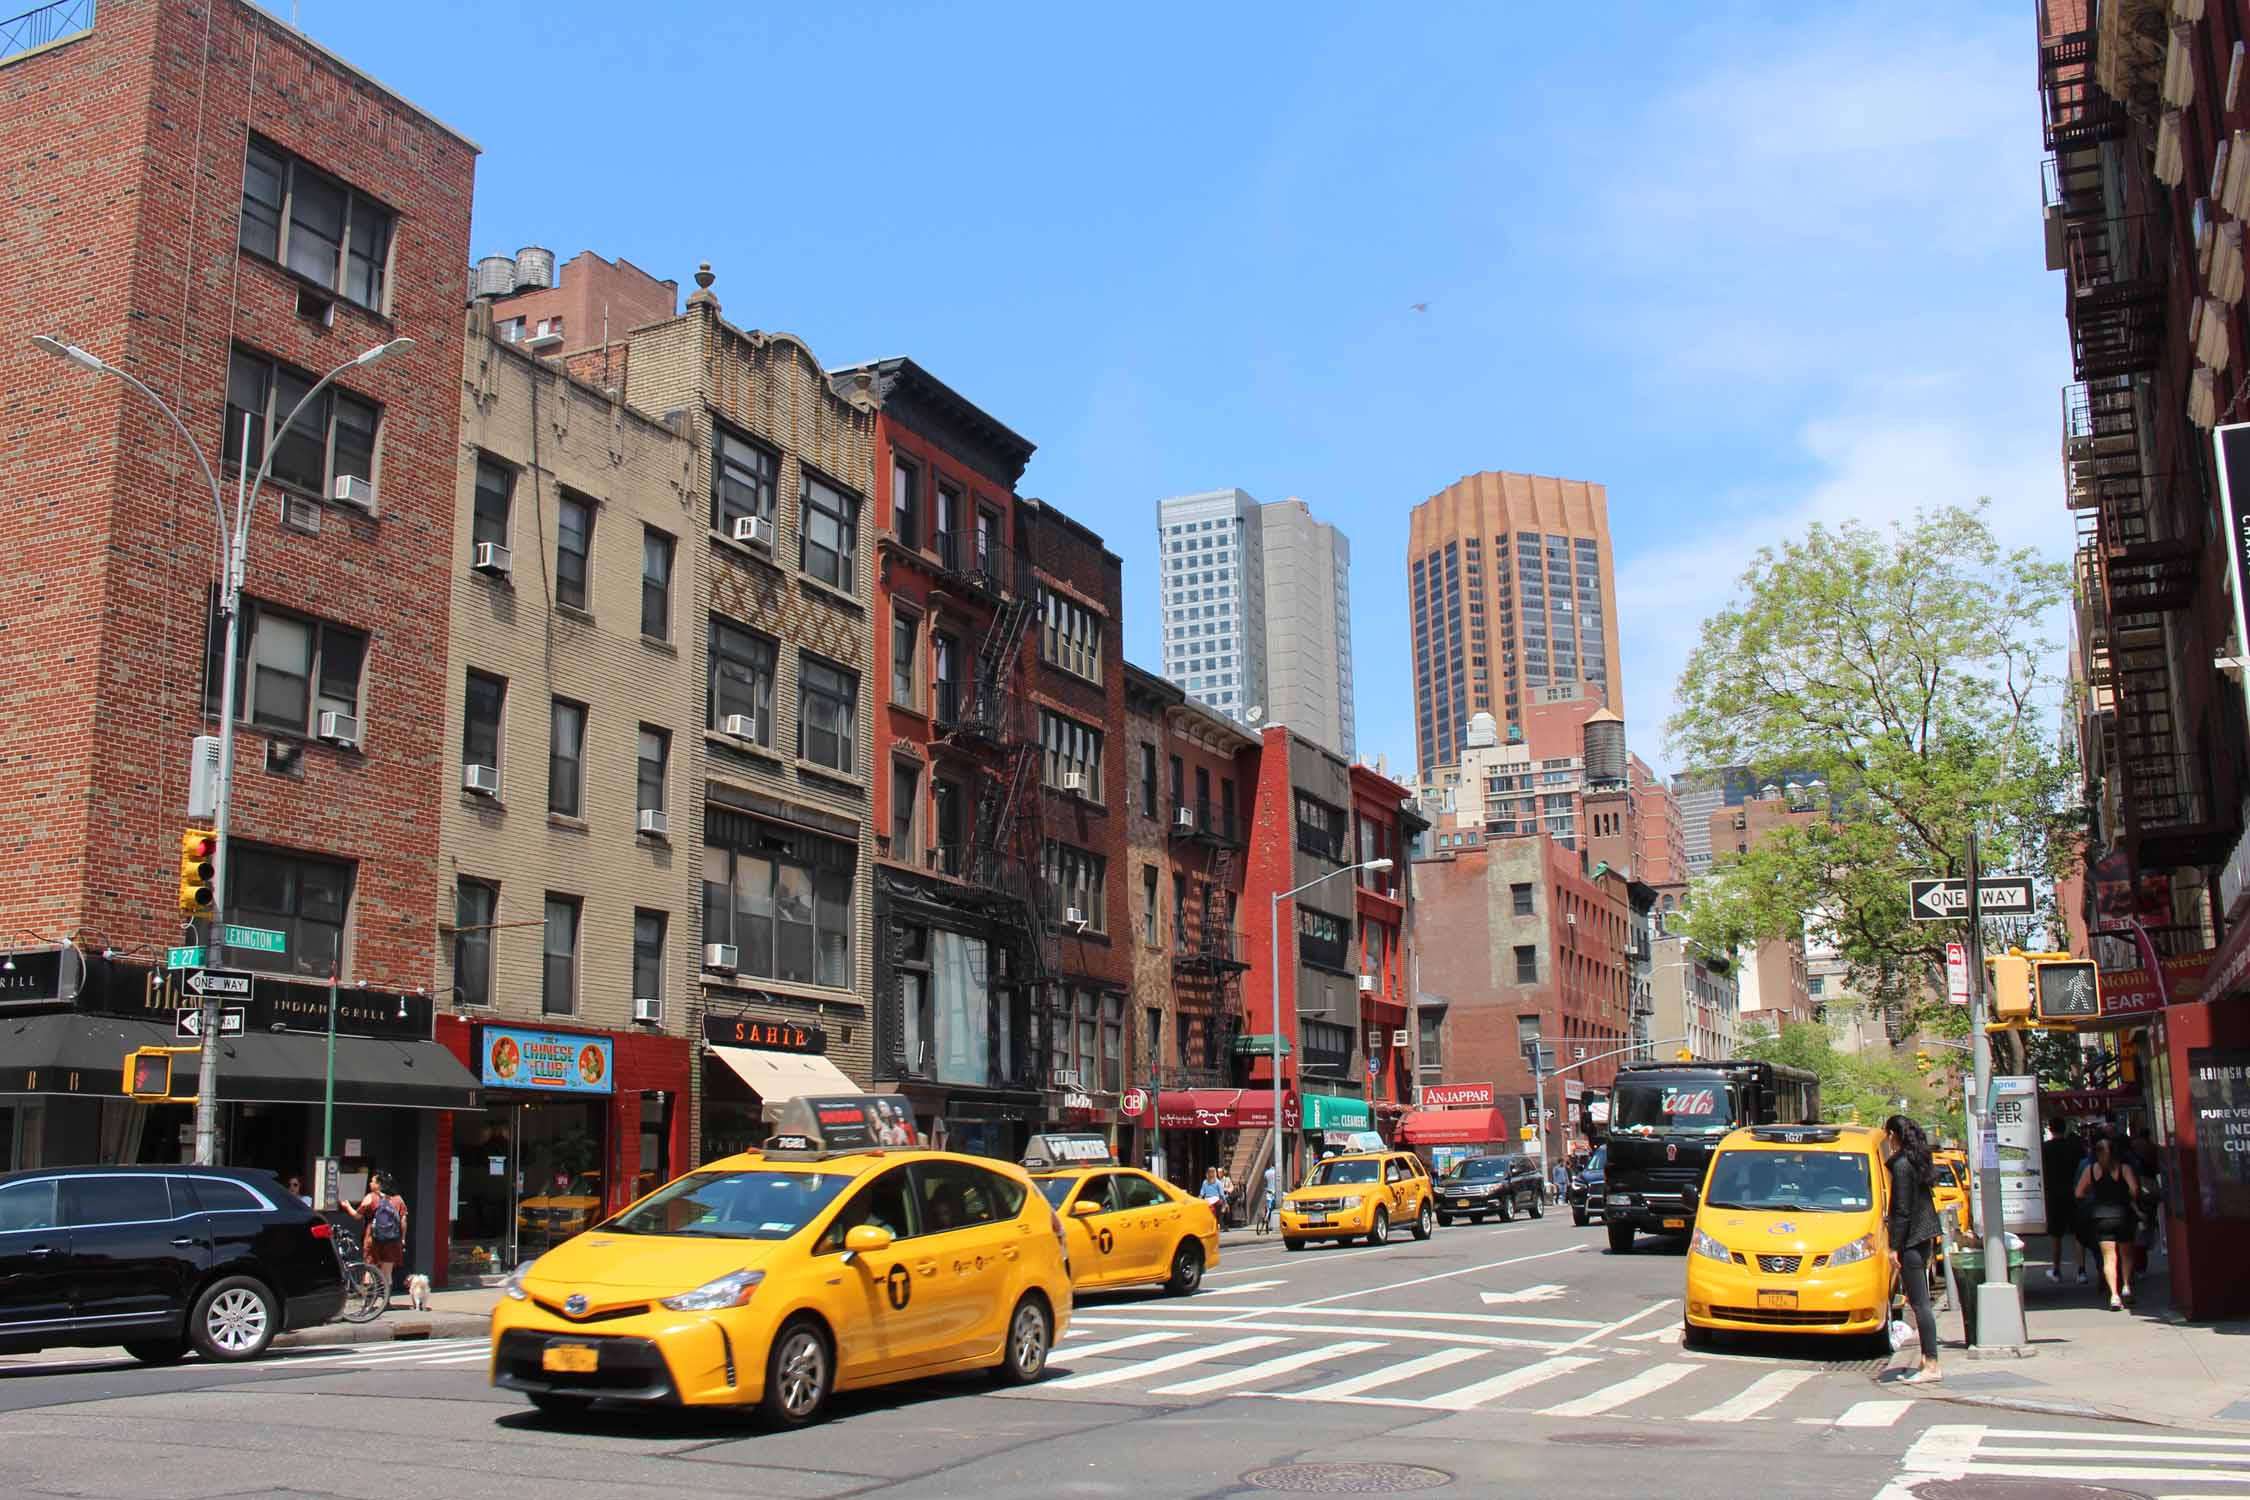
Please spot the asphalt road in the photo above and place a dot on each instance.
(1519, 1359)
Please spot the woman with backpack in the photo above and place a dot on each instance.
(1913, 1230)
(383, 1211)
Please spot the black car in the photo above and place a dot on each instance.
(160, 1260)
(1586, 1195)
(1499, 1186)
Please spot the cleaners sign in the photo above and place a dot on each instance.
(552, 1060)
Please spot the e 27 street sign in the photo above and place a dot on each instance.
(1940, 900)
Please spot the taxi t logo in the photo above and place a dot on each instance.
(1106, 1241)
(899, 1286)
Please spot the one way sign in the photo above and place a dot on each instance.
(226, 983)
(1935, 900)
(189, 1021)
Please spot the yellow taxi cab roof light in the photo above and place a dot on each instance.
(1047, 1153)
(1796, 1134)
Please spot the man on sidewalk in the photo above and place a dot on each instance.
(2059, 1160)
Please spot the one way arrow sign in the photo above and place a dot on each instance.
(1935, 900)
(228, 982)
(189, 1021)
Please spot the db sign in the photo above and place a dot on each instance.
(1133, 1103)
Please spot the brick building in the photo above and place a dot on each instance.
(590, 304)
(1772, 977)
(309, 215)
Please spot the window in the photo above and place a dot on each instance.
(781, 896)
(574, 543)
(333, 436)
(475, 908)
(1521, 895)
(906, 642)
(1323, 939)
(946, 806)
(1070, 636)
(946, 519)
(288, 668)
(906, 793)
(945, 681)
(496, 486)
(1070, 748)
(956, 1195)
(482, 707)
(88, 1201)
(1073, 879)
(742, 481)
(827, 698)
(648, 955)
(1320, 828)
(1226, 806)
(1113, 1042)
(1527, 963)
(566, 758)
(1427, 1025)
(558, 983)
(1148, 780)
(906, 503)
(324, 231)
(654, 769)
(302, 898)
(1179, 779)
(741, 679)
(657, 548)
(828, 532)
(1149, 928)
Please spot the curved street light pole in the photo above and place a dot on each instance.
(1280, 1171)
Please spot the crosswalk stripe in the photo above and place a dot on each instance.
(1610, 1397)
(1111, 1346)
(385, 1354)
(2166, 1440)
(2086, 1472)
(1247, 1286)
(1375, 1380)
(1874, 1414)
(1470, 1397)
(1163, 1364)
(1765, 1391)
(1251, 1374)
(1250, 1319)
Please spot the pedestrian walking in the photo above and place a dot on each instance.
(1215, 1194)
(1914, 1228)
(1231, 1196)
(2148, 1204)
(1558, 1183)
(383, 1210)
(1265, 1210)
(2060, 1157)
(2109, 1187)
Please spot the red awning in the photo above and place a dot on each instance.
(1215, 1109)
(1454, 1127)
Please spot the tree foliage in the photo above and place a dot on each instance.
(1865, 1088)
(1908, 671)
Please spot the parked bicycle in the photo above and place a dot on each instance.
(365, 1298)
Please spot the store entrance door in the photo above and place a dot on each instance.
(531, 1179)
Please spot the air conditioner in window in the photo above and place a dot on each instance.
(1367, 984)
(483, 780)
(354, 491)
(739, 726)
(1063, 1078)
(1074, 782)
(339, 729)
(1393, 893)
(647, 1008)
(756, 530)
(654, 823)
(540, 343)
(1183, 817)
(1398, 1037)
(300, 514)
(493, 558)
(1075, 916)
(723, 957)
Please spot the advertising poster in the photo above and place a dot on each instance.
(518, 1059)
(2009, 1144)
(2219, 1098)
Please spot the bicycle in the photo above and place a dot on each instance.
(365, 1297)
(1265, 1214)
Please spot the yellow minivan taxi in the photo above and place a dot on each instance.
(1123, 1226)
(824, 1263)
(1363, 1193)
(1789, 1236)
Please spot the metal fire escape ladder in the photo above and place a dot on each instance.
(2075, 114)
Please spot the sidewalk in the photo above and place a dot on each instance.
(2144, 1364)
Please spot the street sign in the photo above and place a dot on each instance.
(188, 1021)
(183, 958)
(253, 939)
(225, 984)
(1934, 900)
(1957, 973)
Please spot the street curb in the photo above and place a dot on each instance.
(384, 1330)
(2086, 1410)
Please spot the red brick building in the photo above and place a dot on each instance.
(219, 207)
(591, 304)
(1383, 827)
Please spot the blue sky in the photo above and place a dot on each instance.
(1763, 264)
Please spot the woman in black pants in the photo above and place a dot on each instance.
(1913, 1227)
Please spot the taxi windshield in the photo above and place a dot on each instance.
(1055, 1189)
(751, 1205)
(1346, 1171)
(1789, 1181)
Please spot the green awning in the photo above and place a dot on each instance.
(1337, 1112)
(1260, 1045)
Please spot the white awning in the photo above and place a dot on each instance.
(786, 1075)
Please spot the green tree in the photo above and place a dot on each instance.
(1906, 671)
(1865, 1088)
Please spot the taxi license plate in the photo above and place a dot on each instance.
(1675, 1223)
(569, 1359)
(1777, 1299)
(1316, 1218)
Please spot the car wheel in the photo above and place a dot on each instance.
(1425, 1222)
(1187, 1270)
(1694, 1338)
(1538, 1207)
(1031, 1338)
(1507, 1209)
(800, 1369)
(158, 1351)
(1445, 1218)
(1379, 1233)
(558, 1405)
(234, 1319)
(1290, 1244)
(1620, 1239)
(1578, 1217)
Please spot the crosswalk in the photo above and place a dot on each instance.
(2163, 1465)
(405, 1354)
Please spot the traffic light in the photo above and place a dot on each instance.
(1685, 1054)
(1923, 1062)
(2066, 989)
(199, 849)
(2011, 986)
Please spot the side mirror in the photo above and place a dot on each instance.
(863, 1239)
(1084, 1208)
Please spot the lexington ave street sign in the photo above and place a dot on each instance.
(1935, 900)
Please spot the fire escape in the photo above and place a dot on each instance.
(1207, 951)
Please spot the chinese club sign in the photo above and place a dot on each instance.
(555, 1060)
(1457, 1096)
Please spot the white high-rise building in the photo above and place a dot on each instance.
(1256, 605)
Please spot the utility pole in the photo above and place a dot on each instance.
(2000, 1327)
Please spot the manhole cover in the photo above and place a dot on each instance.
(2018, 1489)
(1347, 1479)
(1628, 1439)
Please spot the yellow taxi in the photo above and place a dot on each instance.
(1952, 1189)
(1362, 1193)
(1789, 1236)
(826, 1262)
(1124, 1226)
(562, 1212)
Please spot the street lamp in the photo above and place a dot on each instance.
(1280, 1175)
(233, 560)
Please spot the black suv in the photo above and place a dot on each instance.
(1586, 1188)
(1496, 1185)
(160, 1259)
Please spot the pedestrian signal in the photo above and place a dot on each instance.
(199, 867)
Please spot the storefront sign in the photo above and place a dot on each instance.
(1134, 1103)
(42, 977)
(1337, 1112)
(2009, 1144)
(1457, 1095)
(1219, 1109)
(2072, 1104)
(274, 1000)
(764, 1036)
(2219, 1098)
(2136, 992)
(546, 1060)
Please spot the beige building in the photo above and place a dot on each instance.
(1308, 567)
(1692, 995)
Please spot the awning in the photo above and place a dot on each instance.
(778, 1076)
(37, 1053)
(1215, 1109)
(1337, 1112)
(1454, 1127)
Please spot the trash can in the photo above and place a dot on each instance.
(1968, 1275)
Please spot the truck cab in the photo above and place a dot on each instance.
(1666, 1119)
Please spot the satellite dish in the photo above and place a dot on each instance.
(1253, 714)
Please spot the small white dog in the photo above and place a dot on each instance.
(418, 1288)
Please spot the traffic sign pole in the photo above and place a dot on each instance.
(1999, 1300)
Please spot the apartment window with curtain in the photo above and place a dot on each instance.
(648, 956)
(476, 904)
(1072, 878)
(558, 982)
(1070, 636)
(906, 796)
(742, 481)
(653, 769)
(1071, 747)
(741, 678)
(657, 549)
(334, 436)
(574, 548)
(325, 231)
(289, 668)
(566, 759)
(906, 641)
(827, 711)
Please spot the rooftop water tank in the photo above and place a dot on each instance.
(1605, 749)
(535, 267)
(495, 276)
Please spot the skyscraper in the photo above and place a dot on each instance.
(1515, 601)
(1309, 626)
